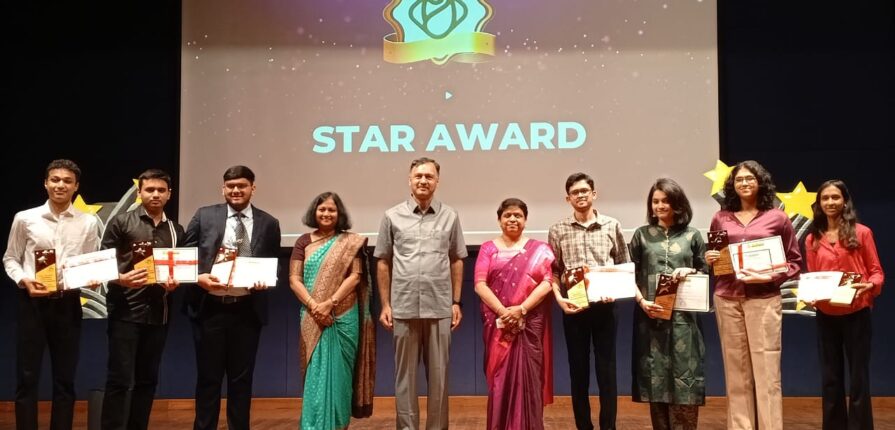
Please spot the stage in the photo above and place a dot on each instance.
(467, 413)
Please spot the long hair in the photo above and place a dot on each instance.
(847, 222)
(766, 189)
(678, 201)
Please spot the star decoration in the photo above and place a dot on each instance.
(798, 201)
(718, 175)
(82, 206)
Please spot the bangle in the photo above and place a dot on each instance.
(334, 301)
(640, 300)
(524, 311)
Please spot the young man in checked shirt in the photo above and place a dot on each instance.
(588, 238)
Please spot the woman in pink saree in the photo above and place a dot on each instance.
(512, 277)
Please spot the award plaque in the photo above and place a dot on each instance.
(666, 292)
(845, 294)
(45, 268)
(577, 293)
(143, 259)
(223, 264)
(719, 241)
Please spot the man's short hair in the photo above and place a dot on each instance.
(154, 174)
(425, 160)
(575, 177)
(237, 172)
(64, 164)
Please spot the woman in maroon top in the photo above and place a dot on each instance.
(749, 309)
(837, 242)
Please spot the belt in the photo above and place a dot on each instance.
(63, 293)
(228, 300)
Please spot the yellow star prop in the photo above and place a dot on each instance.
(137, 186)
(798, 201)
(718, 175)
(82, 206)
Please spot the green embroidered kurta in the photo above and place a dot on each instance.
(668, 357)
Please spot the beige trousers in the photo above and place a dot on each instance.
(751, 347)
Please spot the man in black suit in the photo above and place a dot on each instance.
(227, 321)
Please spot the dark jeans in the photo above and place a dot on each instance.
(226, 338)
(135, 352)
(54, 324)
(841, 338)
(594, 326)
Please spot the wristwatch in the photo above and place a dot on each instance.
(458, 303)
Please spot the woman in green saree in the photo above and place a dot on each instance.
(327, 274)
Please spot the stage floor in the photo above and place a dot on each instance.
(467, 413)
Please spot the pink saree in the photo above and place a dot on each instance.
(518, 366)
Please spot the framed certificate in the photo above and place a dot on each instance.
(249, 270)
(760, 256)
(693, 294)
(180, 264)
(818, 285)
(81, 270)
(616, 282)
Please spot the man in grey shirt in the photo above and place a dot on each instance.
(420, 271)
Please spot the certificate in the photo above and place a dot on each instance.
(616, 282)
(180, 264)
(818, 285)
(247, 271)
(761, 256)
(693, 294)
(80, 270)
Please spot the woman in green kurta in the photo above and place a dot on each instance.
(668, 355)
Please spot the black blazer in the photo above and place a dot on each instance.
(206, 231)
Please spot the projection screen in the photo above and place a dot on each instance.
(509, 96)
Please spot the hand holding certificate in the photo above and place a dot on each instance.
(251, 271)
(759, 256)
(87, 269)
(614, 282)
(693, 294)
(179, 264)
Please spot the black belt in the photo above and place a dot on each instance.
(229, 300)
(63, 293)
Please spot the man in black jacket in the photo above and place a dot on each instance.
(138, 309)
(227, 321)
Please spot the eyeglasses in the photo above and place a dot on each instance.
(580, 192)
(744, 180)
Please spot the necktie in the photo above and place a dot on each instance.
(243, 244)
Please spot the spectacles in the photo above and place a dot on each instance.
(744, 179)
(580, 192)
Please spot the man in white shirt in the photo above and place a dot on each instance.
(48, 319)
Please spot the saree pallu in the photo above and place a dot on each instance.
(338, 361)
(519, 366)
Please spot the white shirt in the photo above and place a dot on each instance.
(229, 241)
(70, 233)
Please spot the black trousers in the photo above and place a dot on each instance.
(54, 324)
(135, 352)
(844, 343)
(226, 338)
(594, 326)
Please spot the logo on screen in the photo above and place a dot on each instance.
(438, 30)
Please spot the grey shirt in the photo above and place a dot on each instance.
(421, 247)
